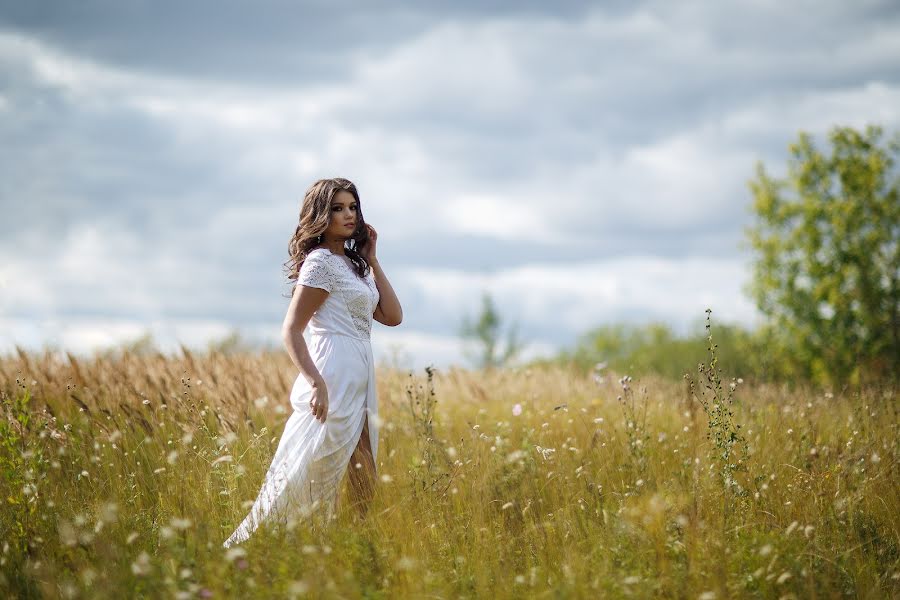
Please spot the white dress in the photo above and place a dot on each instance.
(312, 456)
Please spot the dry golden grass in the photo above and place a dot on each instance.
(122, 476)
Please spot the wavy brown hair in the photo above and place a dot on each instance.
(315, 216)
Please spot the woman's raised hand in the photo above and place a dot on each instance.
(370, 246)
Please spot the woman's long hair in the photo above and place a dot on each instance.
(315, 216)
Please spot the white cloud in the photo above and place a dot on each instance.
(814, 111)
(505, 218)
(577, 295)
(87, 335)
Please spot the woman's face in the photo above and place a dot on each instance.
(344, 217)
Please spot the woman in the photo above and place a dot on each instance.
(340, 288)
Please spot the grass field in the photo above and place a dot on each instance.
(122, 476)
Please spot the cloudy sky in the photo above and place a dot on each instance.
(583, 163)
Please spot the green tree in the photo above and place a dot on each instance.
(825, 240)
(484, 332)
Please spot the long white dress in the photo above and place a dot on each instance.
(312, 456)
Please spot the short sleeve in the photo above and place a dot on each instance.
(316, 272)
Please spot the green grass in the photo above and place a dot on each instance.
(115, 485)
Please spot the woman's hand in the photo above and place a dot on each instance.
(370, 246)
(318, 402)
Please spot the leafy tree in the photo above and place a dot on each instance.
(485, 333)
(827, 257)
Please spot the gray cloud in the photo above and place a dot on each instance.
(154, 173)
(269, 42)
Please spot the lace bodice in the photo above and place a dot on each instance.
(351, 300)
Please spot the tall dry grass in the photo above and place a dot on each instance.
(123, 474)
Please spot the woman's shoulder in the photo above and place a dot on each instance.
(319, 254)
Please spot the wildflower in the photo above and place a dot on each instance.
(141, 566)
(131, 537)
(514, 456)
(298, 588)
(517, 409)
(783, 577)
(109, 512)
(547, 453)
(791, 528)
(386, 478)
(507, 505)
(235, 553)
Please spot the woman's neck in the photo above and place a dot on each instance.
(335, 247)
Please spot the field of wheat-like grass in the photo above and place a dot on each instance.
(122, 475)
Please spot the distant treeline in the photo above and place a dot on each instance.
(655, 348)
(754, 355)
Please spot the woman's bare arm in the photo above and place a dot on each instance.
(305, 301)
(388, 310)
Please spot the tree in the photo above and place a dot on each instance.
(485, 332)
(827, 257)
